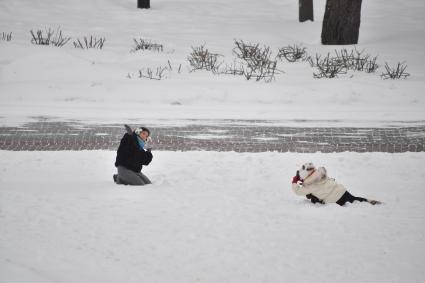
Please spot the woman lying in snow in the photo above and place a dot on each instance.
(131, 156)
(318, 187)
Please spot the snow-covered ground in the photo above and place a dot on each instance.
(70, 83)
(208, 217)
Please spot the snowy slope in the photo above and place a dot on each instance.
(93, 85)
(208, 217)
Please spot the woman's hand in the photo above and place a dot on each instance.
(297, 179)
(149, 144)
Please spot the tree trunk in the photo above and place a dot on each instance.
(341, 22)
(143, 4)
(306, 10)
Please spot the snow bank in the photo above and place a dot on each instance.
(208, 217)
(70, 83)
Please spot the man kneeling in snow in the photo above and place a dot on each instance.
(315, 183)
(131, 156)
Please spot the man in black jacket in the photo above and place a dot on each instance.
(131, 156)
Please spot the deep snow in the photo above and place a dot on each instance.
(208, 217)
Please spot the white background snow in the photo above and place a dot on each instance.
(93, 85)
(208, 217)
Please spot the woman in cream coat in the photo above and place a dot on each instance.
(310, 180)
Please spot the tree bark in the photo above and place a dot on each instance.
(306, 10)
(143, 4)
(341, 22)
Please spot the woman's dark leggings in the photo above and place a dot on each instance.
(347, 197)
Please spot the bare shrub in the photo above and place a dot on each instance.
(343, 61)
(399, 72)
(235, 68)
(359, 60)
(153, 74)
(170, 67)
(157, 73)
(50, 37)
(356, 60)
(292, 53)
(143, 44)
(202, 59)
(343, 58)
(6, 36)
(326, 67)
(371, 65)
(90, 42)
(255, 61)
(247, 51)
